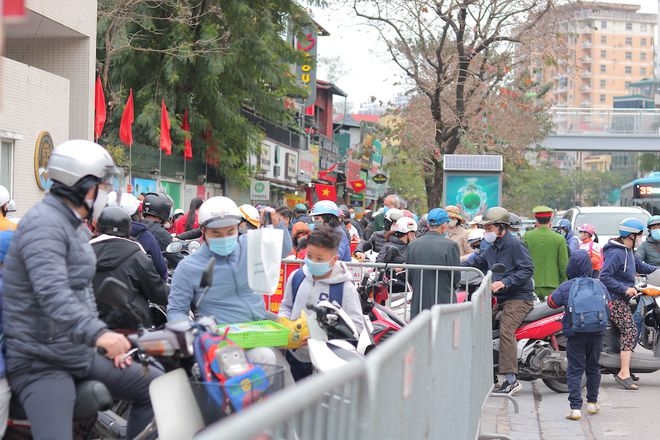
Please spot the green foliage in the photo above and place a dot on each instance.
(649, 162)
(214, 58)
(406, 179)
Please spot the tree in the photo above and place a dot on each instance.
(216, 58)
(457, 54)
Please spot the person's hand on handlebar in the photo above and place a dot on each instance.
(113, 344)
(496, 286)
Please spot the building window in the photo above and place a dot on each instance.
(626, 84)
(603, 39)
(602, 98)
(603, 54)
(642, 27)
(642, 56)
(629, 26)
(628, 70)
(603, 83)
(603, 68)
(7, 164)
(629, 55)
(603, 25)
(628, 41)
(642, 71)
(642, 42)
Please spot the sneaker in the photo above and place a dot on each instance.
(509, 388)
(593, 408)
(575, 414)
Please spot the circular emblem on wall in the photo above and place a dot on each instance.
(43, 148)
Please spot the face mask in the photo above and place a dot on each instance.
(453, 223)
(385, 209)
(318, 223)
(490, 237)
(562, 233)
(223, 246)
(319, 268)
(352, 215)
(96, 206)
(242, 229)
(638, 241)
(655, 234)
(167, 225)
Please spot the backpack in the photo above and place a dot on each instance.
(587, 306)
(336, 290)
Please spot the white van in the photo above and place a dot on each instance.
(605, 219)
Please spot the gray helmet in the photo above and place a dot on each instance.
(115, 221)
(73, 160)
(515, 222)
(496, 215)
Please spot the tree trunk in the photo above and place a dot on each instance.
(433, 183)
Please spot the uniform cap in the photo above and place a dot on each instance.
(542, 211)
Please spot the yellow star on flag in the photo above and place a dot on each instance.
(326, 192)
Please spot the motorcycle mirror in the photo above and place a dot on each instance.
(112, 292)
(174, 247)
(498, 268)
(207, 274)
(193, 247)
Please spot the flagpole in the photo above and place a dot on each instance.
(184, 170)
(130, 163)
(160, 168)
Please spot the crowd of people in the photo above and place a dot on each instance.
(81, 233)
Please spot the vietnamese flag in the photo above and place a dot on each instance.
(357, 185)
(127, 118)
(165, 139)
(187, 143)
(99, 109)
(325, 192)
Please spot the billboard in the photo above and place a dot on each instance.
(471, 193)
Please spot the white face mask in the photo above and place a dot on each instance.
(453, 223)
(96, 206)
(490, 237)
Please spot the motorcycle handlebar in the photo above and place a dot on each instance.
(190, 235)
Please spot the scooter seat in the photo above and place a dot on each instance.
(540, 311)
(91, 396)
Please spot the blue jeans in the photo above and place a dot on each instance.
(638, 318)
(583, 353)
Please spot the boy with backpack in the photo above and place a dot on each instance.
(586, 304)
(323, 277)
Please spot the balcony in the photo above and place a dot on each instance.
(277, 133)
(586, 74)
(585, 89)
(587, 60)
(586, 45)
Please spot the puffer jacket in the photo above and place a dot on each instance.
(649, 251)
(619, 268)
(49, 310)
(400, 246)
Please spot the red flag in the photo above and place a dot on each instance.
(187, 143)
(325, 192)
(12, 9)
(127, 118)
(212, 155)
(357, 185)
(99, 109)
(165, 139)
(325, 174)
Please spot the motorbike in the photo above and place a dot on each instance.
(384, 322)
(610, 360)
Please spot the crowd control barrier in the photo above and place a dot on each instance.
(428, 381)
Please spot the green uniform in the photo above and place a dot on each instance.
(550, 256)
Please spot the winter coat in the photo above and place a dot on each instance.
(550, 256)
(460, 235)
(432, 249)
(375, 242)
(180, 223)
(399, 245)
(164, 239)
(518, 267)
(579, 266)
(125, 260)
(649, 251)
(49, 310)
(619, 268)
(151, 247)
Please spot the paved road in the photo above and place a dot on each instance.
(623, 414)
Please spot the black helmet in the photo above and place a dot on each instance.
(496, 215)
(114, 221)
(158, 205)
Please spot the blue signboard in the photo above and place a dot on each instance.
(472, 194)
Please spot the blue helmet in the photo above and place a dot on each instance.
(655, 220)
(630, 226)
(325, 207)
(563, 223)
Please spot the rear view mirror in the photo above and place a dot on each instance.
(498, 268)
(112, 292)
(207, 274)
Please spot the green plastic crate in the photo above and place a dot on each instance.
(257, 334)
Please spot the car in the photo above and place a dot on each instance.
(605, 219)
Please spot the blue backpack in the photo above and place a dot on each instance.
(336, 290)
(587, 306)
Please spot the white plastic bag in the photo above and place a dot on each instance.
(264, 259)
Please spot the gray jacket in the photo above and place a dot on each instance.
(49, 309)
(649, 251)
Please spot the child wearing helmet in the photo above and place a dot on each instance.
(618, 274)
(399, 236)
(326, 212)
(586, 234)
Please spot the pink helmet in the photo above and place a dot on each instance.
(588, 229)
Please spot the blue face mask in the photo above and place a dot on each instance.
(223, 246)
(385, 209)
(655, 234)
(317, 268)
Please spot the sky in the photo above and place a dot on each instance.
(366, 68)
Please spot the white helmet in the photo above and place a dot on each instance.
(73, 160)
(5, 197)
(11, 206)
(218, 212)
(393, 214)
(250, 214)
(476, 235)
(405, 225)
(129, 203)
(112, 199)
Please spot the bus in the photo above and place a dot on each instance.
(643, 192)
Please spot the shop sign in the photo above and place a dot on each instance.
(260, 190)
(379, 178)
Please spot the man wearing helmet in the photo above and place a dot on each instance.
(620, 266)
(649, 250)
(156, 209)
(122, 258)
(325, 212)
(300, 212)
(5, 198)
(563, 227)
(230, 299)
(513, 288)
(391, 201)
(51, 322)
(377, 238)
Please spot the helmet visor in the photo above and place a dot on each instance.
(113, 180)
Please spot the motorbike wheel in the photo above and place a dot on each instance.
(560, 385)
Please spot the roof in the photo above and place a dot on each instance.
(357, 119)
(325, 85)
